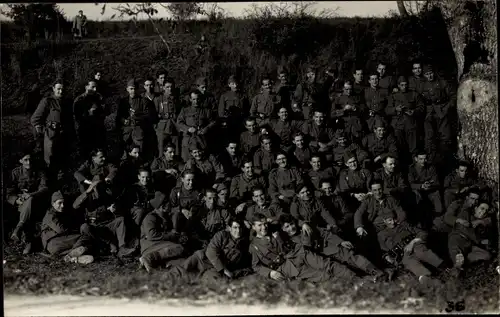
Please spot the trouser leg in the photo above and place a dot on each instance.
(449, 197)
(160, 254)
(477, 254)
(138, 214)
(119, 229)
(435, 198)
(58, 245)
(355, 260)
(426, 255)
(457, 244)
(412, 264)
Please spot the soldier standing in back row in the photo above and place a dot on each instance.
(167, 106)
(307, 95)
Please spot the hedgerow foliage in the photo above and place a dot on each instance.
(247, 48)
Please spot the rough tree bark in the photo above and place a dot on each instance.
(472, 29)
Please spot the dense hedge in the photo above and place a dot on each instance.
(247, 48)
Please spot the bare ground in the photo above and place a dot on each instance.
(40, 275)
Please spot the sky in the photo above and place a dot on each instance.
(237, 9)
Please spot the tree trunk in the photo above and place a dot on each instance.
(472, 29)
(402, 9)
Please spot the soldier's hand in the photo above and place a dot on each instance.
(410, 112)
(277, 276)
(395, 90)
(306, 229)
(240, 208)
(19, 201)
(466, 188)
(112, 208)
(371, 113)
(485, 242)
(409, 248)
(25, 196)
(347, 244)
(228, 274)
(390, 259)
(463, 222)
(295, 108)
(39, 129)
(281, 197)
(171, 171)
(377, 159)
(361, 232)
(107, 180)
(126, 121)
(399, 108)
(192, 130)
(476, 223)
(359, 197)
(347, 107)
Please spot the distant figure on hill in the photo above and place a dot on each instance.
(80, 25)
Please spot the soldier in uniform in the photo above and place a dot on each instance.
(416, 81)
(354, 181)
(186, 195)
(394, 183)
(95, 167)
(283, 128)
(405, 108)
(348, 114)
(250, 139)
(263, 158)
(263, 205)
(459, 182)
(230, 158)
(241, 185)
(53, 118)
(300, 153)
(337, 207)
(207, 168)
(318, 173)
(213, 217)
(234, 106)
(90, 113)
(60, 234)
(307, 95)
(343, 144)
(130, 164)
(375, 100)
(159, 243)
(284, 89)
(166, 169)
(206, 99)
(135, 118)
(168, 106)
(266, 103)
(149, 89)
(159, 85)
(27, 193)
(385, 82)
(316, 128)
(194, 122)
(358, 83)
(284, 180)
(137, 197)
(379, 142)
(272, 258)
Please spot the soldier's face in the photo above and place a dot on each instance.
(97, 76)
(187, 181)
(380, 132)
(169, 153)
(283, 114)
(403, 86)
(327, 189)
(342, 141)
(58, 90)
(347, 89)
(358, 75)
(143, 178)
(161, 79)
(289, 228)
(250, 125)
(481, 211)
(283, 78)
(235, 230)
(248, 169)
(58, 205)
(377, 191)
(260, 228)
(222, 195)
(258, 197)
(266, 144)
(197, 154)
(352, 164)
(381, 69)
(167, 88)
(417, 69)
(233, 86)
(373, 81)
(266, 85)
(318, 118)
(299, 141)
(421, 159)
(194, 100)
(472, 199)
(281, 160)
(429, 76)
(311, 76)
(134, 153)
(99, 159)
(315, 163)
(148, 85)
(26, 161)
(389, 164)
(210, 199)
(131, 91)
(202, 88)
(231, 149)
(390, 223)
(462, 171)
(305, 194)
(91, 87)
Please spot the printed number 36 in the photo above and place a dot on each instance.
(458, 306)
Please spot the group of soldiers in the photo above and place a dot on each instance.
(318, 181)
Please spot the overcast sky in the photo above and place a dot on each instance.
(237, 9)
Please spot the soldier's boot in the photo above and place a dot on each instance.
(15, 234)
(459, 260)
(125, 252)
(27, 248)
(390, 273)
(82, 259)
(145, 262)
(113, 249)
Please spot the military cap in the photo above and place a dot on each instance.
(340, 134)
(349, 155)
(56, 196)
(232, 79)
(201, 81)
(194, 146)
(311, 68)
(158, 200)
(131, 83)
(428, 69)
(220, 187)
(402, 79)
(27, 149)
(379, 122)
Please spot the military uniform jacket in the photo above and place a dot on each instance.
(312, 212)
(54, 115)
(374, 212)
(300, 156)
(264, 160)
(410, 101)
(195, 117)
(285, 92)
(33, 181)
(139, 196)
(394, 184)
(208, 169)
(375, 100)
(417, 176)
(357, 181)
(438, 98)
(167, 108)
(266, 104)
(315, 177)
(89, 170)
(138, 111)
(95, 209)
(307, 94)
(416, 84)
(388, 238)
(315, 132)
(241, 187)
(230, 164)
(81, 110)
(387, 83)
(284, 129)
(213, 220)
(161, 164)
(270, 210)
(55, 224)
(154, 231)
(181, 198)
(339, 151)
(454, 183)
(249, 141)
(284, 181)
(264, 252)
(337, 207)
(337, 110)
(456, 210)
(376, 146)
(233, 104)
(224, 252)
